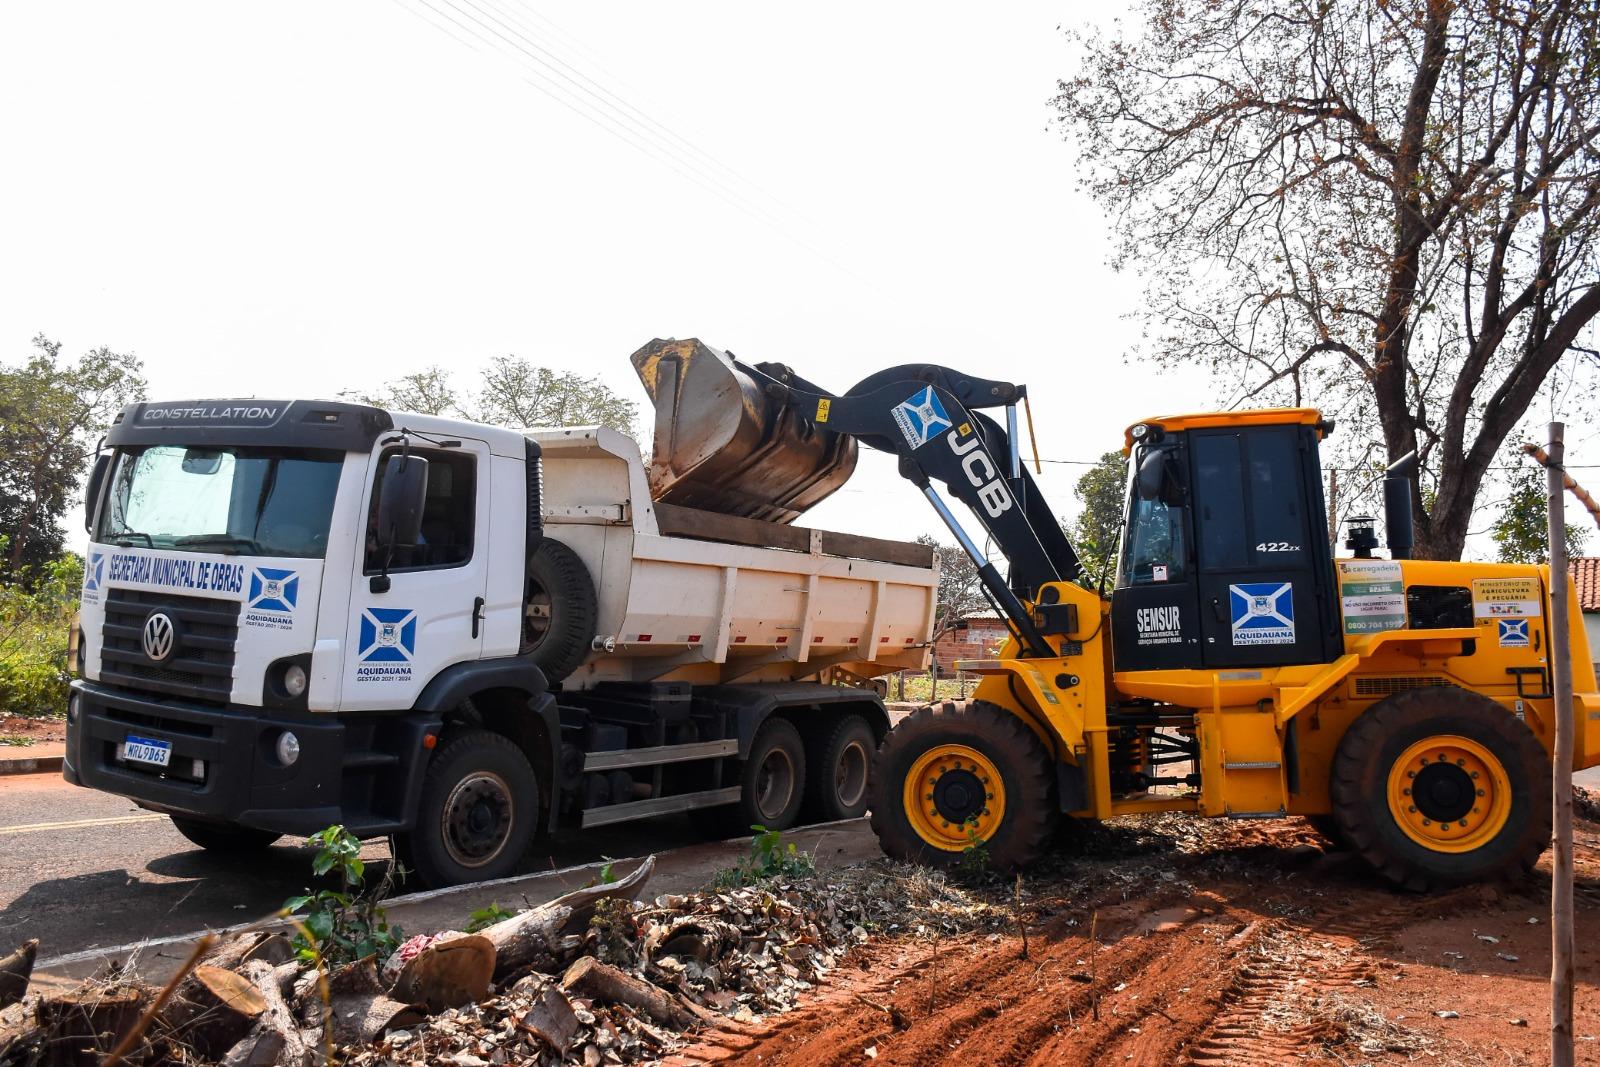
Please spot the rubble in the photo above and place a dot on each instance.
(593, 977)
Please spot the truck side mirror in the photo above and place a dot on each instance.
(405, 488)
(1152, 473)
(91, 495)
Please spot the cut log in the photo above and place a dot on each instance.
(259, 945)
(448, 973)
(358, 977)
(696, 937)
(599, 981)
(362, 1018)
(212, 1010)
(544, 937)
(275, 1039)
(15, 970)
(82, 1025)
(551, 1018)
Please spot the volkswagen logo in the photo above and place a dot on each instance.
(160, 636)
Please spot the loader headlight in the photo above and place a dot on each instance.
(287, 749)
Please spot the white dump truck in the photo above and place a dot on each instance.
(299, 613)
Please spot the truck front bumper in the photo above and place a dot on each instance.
(224, 766)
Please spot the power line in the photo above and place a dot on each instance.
(593, 107)
(627, 104)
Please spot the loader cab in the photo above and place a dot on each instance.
(1225, 560)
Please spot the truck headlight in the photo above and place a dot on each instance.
(294, 680)
(288, 748)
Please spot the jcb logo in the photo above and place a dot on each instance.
(980, 470)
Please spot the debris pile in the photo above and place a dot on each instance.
(596, 976)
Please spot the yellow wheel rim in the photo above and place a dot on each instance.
(1449, 794)
(954, 795)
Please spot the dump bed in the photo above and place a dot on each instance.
(696, 596)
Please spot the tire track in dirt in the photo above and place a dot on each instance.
(1263, 1020)
(980, 1000)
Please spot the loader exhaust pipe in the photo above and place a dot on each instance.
(1397, 518)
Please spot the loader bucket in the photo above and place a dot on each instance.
(723, 444)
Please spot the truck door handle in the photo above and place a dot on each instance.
(477, 614)
(1216, 610)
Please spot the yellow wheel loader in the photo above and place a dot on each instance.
(1237, 668)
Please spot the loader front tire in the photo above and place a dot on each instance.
(1442, 786)
(952, 778)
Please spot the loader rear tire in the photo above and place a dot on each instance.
(950, 777)
(559, 610)
(1442, 786)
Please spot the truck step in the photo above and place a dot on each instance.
(648, 757)
(369, 758)
(639, 809)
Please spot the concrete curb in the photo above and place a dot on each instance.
(31, 765)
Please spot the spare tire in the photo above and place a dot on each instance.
(559, 610)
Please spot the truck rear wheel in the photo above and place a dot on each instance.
(223, 837)
(559, 610)
(840, 762)
(772, 785)
(478, 811)
(951, 778)
(1437, 787)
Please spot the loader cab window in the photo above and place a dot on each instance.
(447, 514)
(1155, 545)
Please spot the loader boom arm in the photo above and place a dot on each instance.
(927, 417)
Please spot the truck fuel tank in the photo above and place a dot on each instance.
(723, 444)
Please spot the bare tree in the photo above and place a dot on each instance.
(1385, 208)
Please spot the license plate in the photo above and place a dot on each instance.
(144, 750)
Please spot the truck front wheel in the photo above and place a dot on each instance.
(952, 779)
(478, 811)
(222, 836)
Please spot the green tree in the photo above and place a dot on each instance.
(427, 392)
(512, 392)
(1522, 532)
(516, 393)
(51, 412)
(1095, 532)
(35, 624)
(1389, 208)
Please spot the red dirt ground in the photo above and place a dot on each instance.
(1265, 945)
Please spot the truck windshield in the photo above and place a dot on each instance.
(231, 500)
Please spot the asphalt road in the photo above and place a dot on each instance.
(81, 869)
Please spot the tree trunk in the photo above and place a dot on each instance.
(15, 970)
(83, 1025)
(276, 1038)
(598, 981)
(544, 937)
(212, 1010)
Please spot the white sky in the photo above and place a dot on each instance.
(293, 199)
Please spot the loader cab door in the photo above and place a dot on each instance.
(1265, 567)
(1225, 560)
(1155, 621)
